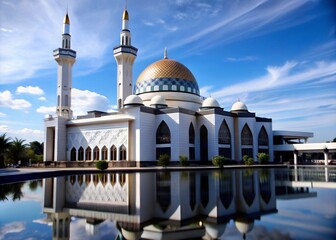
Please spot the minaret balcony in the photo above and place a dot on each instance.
(125, 49)
(64, 52)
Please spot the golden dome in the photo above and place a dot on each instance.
(166, 68)
(125, 15)
(66, 19)
(166, 75)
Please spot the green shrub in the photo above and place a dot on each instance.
(263, 158)
(219, 161)
(248, 160)
(183, 160)
(164, 160)
(102, 165)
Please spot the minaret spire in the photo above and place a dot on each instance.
(165, 54)
(65, 58)
(125, 55)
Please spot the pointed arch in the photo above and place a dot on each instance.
(246, 141)
(96, 153)
(246, 136)
(73, 154)
(191, 134)
(224, 135)
(163, 133)
(163, 190)
(204, 144)
(263, 143)
(104, 153)
(113, 153)
(88, 153)
(81, 154)
(122, 152)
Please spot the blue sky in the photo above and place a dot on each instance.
(279, 57)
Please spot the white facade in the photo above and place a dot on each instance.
(165, 116)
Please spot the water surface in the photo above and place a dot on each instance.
(298, 203)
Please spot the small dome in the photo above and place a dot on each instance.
(133, 100)
(244, 226)
(215, 230)
(158, 101)
(239, 106)
(210, 103)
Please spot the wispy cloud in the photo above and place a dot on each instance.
(30, 90)
(278, 76)
(42, 33)
(7, 100)
(241, 59)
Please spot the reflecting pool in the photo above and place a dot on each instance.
(282, 203)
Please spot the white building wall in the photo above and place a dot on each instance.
(209, 122)
(185, 121)
(146, 134)
(99, 135)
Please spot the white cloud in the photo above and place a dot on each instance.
(13, 227)
(278, 76)
(29, 90)
(4, 128)
(241, 59)
(27, 131)
(42, 99)
(85, 100)
(2, 114)
(31, 37)
(7, 100)
(46, 110)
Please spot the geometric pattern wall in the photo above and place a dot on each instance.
(166, 84)
(100, 138)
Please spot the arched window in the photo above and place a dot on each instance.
(58, 100)
(126, 40)
(263, 141)
(104, 153)
(224, 135)
(113, 178)
(191, 134)
(80, 154)
(263, 137)
(204, 144)
(96, 153)
(113, 153)
(122, 152)
(162, 134)
(66, 103)
(73, 154)
(122, 179)
(246, 136)
(88, 153)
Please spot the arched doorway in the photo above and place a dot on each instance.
(204, 144)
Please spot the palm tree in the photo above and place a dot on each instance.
(17, 150)
(5, 143)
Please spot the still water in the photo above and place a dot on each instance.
(278, 203)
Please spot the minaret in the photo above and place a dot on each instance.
(65, 58)
(125, 55)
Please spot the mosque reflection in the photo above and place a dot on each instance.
(162, 205)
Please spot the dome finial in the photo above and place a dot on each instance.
(165, 53)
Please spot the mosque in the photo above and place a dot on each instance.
(162, 113)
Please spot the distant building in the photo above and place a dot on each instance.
(162, 113)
